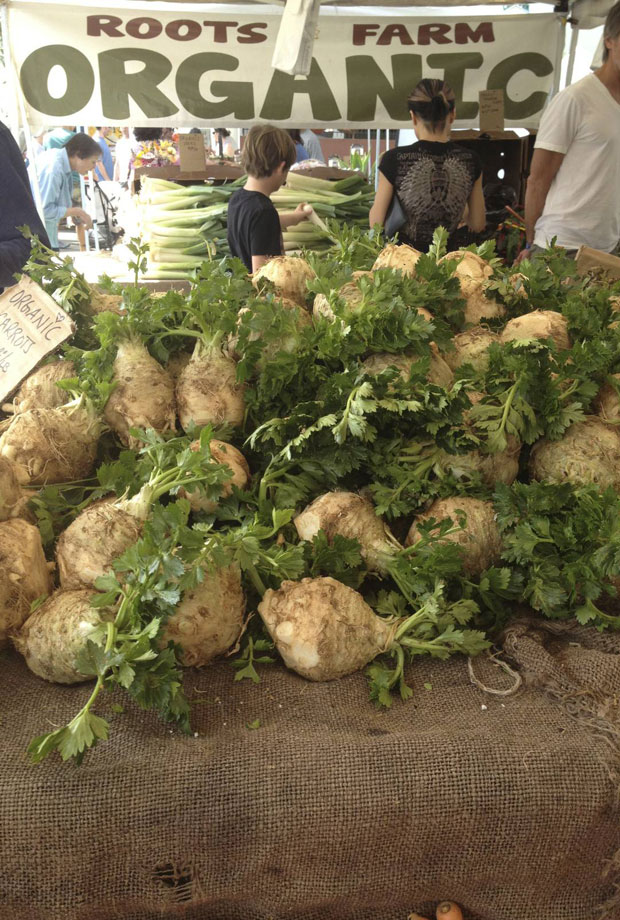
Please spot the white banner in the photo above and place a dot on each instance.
(90, 65)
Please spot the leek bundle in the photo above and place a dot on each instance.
(183, 225)
(346, 200)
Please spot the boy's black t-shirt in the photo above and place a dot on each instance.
(253, 226)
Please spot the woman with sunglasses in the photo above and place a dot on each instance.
(437, 182)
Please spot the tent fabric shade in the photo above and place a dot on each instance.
(585, 14)
(366, 3)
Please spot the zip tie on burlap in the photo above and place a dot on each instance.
(518, 680)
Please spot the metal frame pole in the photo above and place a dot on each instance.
(574, 39)
(557, 76)
(19, 111)
(14, 89)
(92, 209)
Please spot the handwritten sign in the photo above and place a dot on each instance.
(192, 156)
(588, 259)
(31, 326)
(491, 110)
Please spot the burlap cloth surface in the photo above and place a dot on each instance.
(330, 810)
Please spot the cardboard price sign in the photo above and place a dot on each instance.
(192, 155)
(31, 326)
(588, 259)
(491, 110)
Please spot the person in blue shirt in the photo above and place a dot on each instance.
(312, 145)
(58, 137)
(300, 150)
(105, 169)
(54, 169)
(18, 210)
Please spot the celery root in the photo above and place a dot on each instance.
(39, 390)
(54, 635)
(144, 395)
(209, 619)
(323, 629)
(53, 445)
(24, 573)
(207, 390)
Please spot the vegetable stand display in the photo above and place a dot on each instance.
(351, 472)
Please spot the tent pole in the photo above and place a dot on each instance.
(33, 172)
(377, 149)
(557, 75)
(82, 130)
(14, 90)
(92, 210)
(574, 39)
(83, 202)
(19, 111)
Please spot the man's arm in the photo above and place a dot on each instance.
(476, 215)
(259, 261)
(13, 256)
(545, 164)
(381, 204)
(102, 169)
(18, 209)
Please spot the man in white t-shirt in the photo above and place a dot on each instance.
(573, 191)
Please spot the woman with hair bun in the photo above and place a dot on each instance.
(438, 183)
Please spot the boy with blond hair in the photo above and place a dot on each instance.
(254, 225)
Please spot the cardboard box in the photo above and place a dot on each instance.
(500, 150)
(588, 259)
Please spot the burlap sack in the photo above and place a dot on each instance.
(330, 810)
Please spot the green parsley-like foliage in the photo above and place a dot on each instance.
(564, 541)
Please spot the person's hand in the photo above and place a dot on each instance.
(303, 211)
(523, 255)
(81, 217)
(447, 910)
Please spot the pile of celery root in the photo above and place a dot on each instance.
(340, 463)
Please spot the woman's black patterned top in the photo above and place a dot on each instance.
(433, 181)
